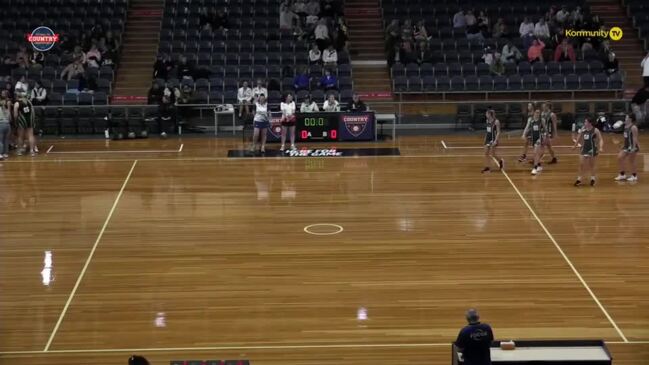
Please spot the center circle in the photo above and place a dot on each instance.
(323, 229)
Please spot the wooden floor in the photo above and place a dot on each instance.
(170, 250)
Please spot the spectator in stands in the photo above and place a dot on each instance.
(528, 40)
(185, 69)
(497, 68)
(287, 18)
(155, 94)
(299, 8)
(483, 23)
(645, 69)
(556, 37)
(330, 56)
(470, 18)
(499, 29)
(301, 80)
(425, 55)
(392, 33)
(474, 340)
(308, 105)
(22, 57)
(244, 97)
(535, 52)
(420, 33)
(73, 70)
(541, 30)
(639, 103)
(459, 20)
(37, 59)
(564, 52)
(78, 54)
(94, 57)
(315, 55)
(489, 56)
(510, 54)
(162, 67)
(576, 17)
(328, 81)
(342, 36)
(587, 45)
(394, 55)
(112, 43)
(562, 15)
(611, 65)
(407, 53)
(406, 31)
(38, 95)
(356, 104)
(22, 85)
(331, 104)
(321, 33)
(526, 27)
(313, 8)
(66, 44)
(259, 90)
(473, 32)
(331, 8)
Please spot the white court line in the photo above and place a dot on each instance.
(49, 149)
(565, 257)
(126, 151)
(499, 147)
(444, 145)
(92, 253)
(259, 347)
(180, 149)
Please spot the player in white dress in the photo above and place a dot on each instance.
(288, 121)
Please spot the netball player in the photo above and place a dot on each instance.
(288, 121)
(551, 130)
(261, 124)
(591, 145)
(24, 114)
(491, 141)
(534, 130)
(526, 142)
(630, 150)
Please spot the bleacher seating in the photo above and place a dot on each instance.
(456, 64)
(639, 11)
(253, 47)
(20, 17)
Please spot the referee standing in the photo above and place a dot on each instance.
(474, 340)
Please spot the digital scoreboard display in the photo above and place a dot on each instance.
(328, 127)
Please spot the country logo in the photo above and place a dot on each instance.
(43, 38)
(275, 127)
(356, 124)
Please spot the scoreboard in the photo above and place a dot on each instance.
(328, 127)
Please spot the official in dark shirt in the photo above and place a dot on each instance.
(474, 340)
(356, 104)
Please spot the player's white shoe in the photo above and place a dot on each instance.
(535, 171)
(282, 148)
(632, 178)
(620, 178)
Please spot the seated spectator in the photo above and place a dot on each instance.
(162, 67)
(112, 43)
(535, 52)
(483, 23)
(611, 65)
(94, 57)
(356, 104)
(526, 27)
(299, 8)
(564, 52)
(425, 55)
(22, 57)
(420, 32)
(528, 40)
(301, 81)
(310, 23)
(287, 18)
(185, 70)
(604, 50)
(22, 85)
(459, 20)
(406, 30)
(183, 94)
(510, 54)
(73, 70)
(587, 45)
(473, 32)
(541, 30)
(313, 8)
(37, 59)
(331, 104)
(489, 57)
(315, 55)
(154, 96)
(576, 18)
(342, 36)
(309, 106)
(78, 54)
(497, 67)
(499, 29)
(557, 37)
(392, 33)
(407, 53)
(244, 97)
(330, 56)
(259, 90)
(328, 81)
(470, 18)
(562, 15)
(38, 96)
(321, 33)
(108, 59)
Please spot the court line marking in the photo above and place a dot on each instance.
(339, 227)
(90, 255)
(482, 147)
(125, 151)
(259, 347)
(565, 257)
(49, 149)
(444, 145)
(180, 149)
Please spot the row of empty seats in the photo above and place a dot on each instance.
(482, 69)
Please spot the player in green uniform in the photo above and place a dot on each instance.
(551, 129)
(25, 121)
(491, 141)
(526, 142)
(630, 150)
(536, 129)
(592, 144)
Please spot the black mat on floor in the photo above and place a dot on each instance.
(318, 152)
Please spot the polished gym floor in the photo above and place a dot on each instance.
(169, 249)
